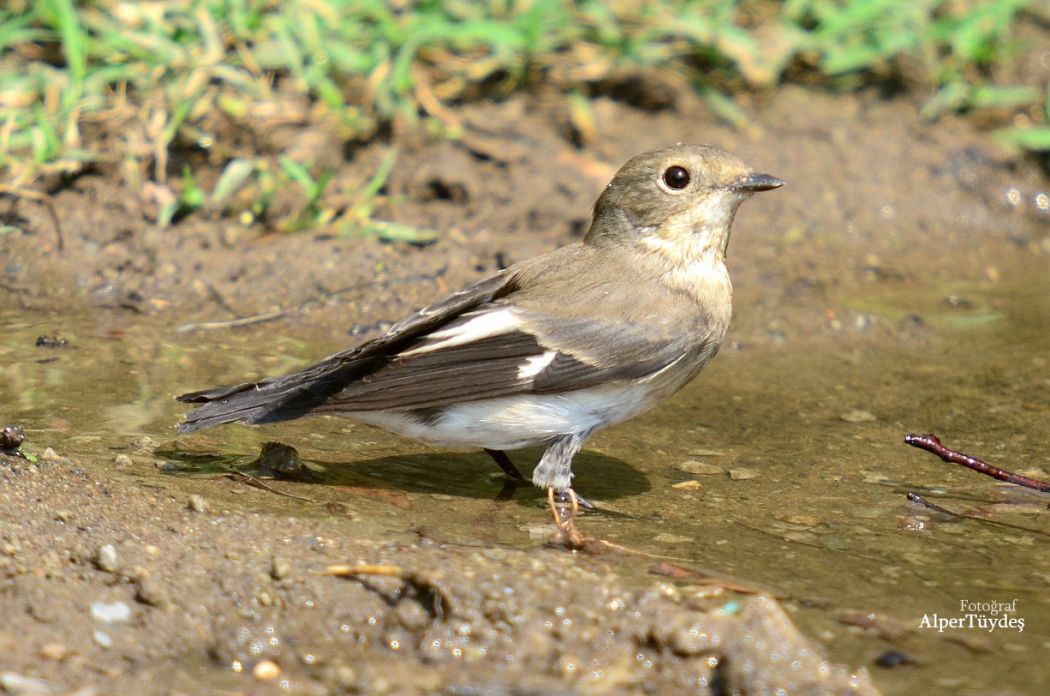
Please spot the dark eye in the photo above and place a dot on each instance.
(676, 177)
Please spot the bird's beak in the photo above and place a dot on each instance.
(756, 182)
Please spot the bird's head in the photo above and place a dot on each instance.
(685, 195)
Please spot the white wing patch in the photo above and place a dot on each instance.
(484, 325)
(534, 365)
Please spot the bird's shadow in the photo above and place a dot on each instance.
(460, 474)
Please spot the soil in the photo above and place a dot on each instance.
(186, 596)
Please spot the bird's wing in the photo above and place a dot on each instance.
(501, 350)
(280, 398)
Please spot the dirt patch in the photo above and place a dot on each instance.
(140, 589)
(868, 183)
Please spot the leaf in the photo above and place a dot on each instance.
(1035, 139)
(233, 176)
(398, 232)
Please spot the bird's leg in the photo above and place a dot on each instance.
(501, 458)
(554, 473)
(512, 476)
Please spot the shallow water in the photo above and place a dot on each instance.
(781, 467)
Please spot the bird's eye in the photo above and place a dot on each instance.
(676, 177)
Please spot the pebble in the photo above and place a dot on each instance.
(102, 638)
(695, 466)
(18, 685)
(893, 658)
(110, 612)
(54, 651)
(671, 538)
(743, 474)
(123, 461)
(539, 531)
(266, 670)
(279, 569)
(857, 416)
(197, 503)
(691, 485)
(49, 455)
(151, 592)
(106, 559)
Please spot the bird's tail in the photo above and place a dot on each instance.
(270, 400)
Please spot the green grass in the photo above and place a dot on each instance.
(151, 88)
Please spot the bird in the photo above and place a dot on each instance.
(553, 348)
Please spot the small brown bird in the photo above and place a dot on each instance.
(551, 349)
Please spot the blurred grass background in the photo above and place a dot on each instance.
(135, 86)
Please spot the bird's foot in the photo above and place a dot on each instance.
(566, 535)
(567, 498)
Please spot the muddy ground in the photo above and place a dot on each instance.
(116, 584)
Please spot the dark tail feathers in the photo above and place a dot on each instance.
(271, 400)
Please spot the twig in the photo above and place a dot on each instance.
(425, 587)
(931, 443)
(919, 500)
(236, 323)
(256, 483)
(677, 572)
(916, 498)
(43, 198)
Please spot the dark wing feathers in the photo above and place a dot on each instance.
(481, 369)
(404, 370)
(290, 396)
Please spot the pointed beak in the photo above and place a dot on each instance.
(756, 182)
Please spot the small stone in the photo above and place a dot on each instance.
(344, 676)
(695, 466)
(102, 638)
(281, 460)
(279, 569)
(110, 612)
(666, 538)
(53, 651)
(123, 461)
(63, 516)
(106, 559)
(50, 455)
(150, 592)
(691, 485)
(539, 531)
(18, 685)
(743, 474)
(11, 438)
(893, 658)
(913, 523)
(197, 503)
(857, 416)
(266, 670)
(264, 599)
